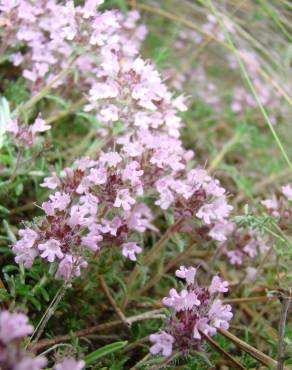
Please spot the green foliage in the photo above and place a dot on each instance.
(250, 161)
(104, 351)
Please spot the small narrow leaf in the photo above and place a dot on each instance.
(104, 351)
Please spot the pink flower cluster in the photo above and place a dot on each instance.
(242, 246)
(196, 312)
(265, 91)
(14, 327)
(110, 200)
(209, 89)
(48, 33)
(25, 135)
(280, 206)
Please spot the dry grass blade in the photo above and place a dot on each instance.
(107, 292)
(225, 354)
(255, 353)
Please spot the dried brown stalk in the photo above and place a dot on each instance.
(225, 354)
(107, 292)
(255, 353)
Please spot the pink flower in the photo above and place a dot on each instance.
(28, 237)
(51, 182)
(12, 126)
(111, 226)
(51, 249)
(84, 163)
(220, 314)
(287, 191)
(97, 176)
(48, 207)
(140, 218)
(23, 248)
(133, 173)
(162, 343)
(60, 201)
(187, 273)
(251, 248)
(202, 325)
(221, 230)
(109, 114)
(218, 210)
(192, 316)
(130, 249)
(91, 241)
(111, 159)
(65, 268)
(39, 126)
(70, 364)
(124, 200)
(13, 325)
(181, 301)
(100, 90)
(217, 285)
(24, 255)
(89, 9)
(235, 257)
(270, 203)
(29, 363)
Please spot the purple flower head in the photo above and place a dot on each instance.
(187, 273)
(287, 191)
(39, 126)
(124, 200)
(51, 182)
(218, 286)
(51, 249)
(13, 325)
(196, 311)
(70, 364)
(130, 250)
(220, 314)
(28, 363)
(162, 343)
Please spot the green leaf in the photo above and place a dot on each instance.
(4, 295)
(104, 351)
(4, 210)
(19, 189)
(9, 232)
(35, 302)
(10, 268)
(4, 118)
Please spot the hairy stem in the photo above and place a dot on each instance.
(282, 325)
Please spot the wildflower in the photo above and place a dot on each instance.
(39, 126)
(25, 135)
(196, 310)
(29, 363)
(51, 249)
(130, 250)
(162, 343)
(124, 200)
(51, 182)
(97, 176)
(287, 191)
(217, 285)
(111, 159)
(70, 364)
(187, 273)
(13, 325)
